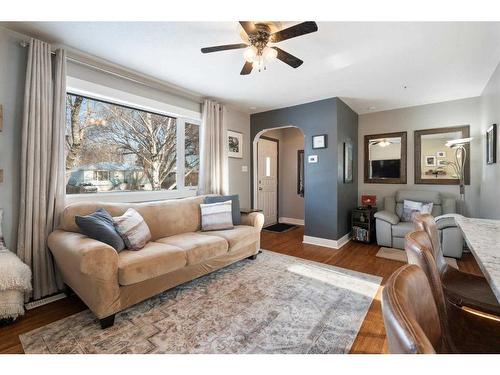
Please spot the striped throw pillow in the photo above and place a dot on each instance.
(216, 216)
(133, 229)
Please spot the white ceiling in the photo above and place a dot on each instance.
(364, 63)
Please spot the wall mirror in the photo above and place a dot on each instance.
(385, 158)
(434, 161)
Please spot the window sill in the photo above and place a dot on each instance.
(131, 197)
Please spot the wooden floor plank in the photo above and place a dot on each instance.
(355, 256)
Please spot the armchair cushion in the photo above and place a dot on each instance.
(390, 217)
(402, 229)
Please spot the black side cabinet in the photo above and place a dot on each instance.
(363, 224)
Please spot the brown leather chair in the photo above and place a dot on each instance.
(463, 289)
(411, 317)
(466, 330)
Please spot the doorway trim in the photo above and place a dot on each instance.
(277, 174)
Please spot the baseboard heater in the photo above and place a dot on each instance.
(44, 301)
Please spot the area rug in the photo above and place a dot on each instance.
(274, 304)
(280, 227)
(400, 255)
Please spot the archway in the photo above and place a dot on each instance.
(290, 204)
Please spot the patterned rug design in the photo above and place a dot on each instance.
(275, 304)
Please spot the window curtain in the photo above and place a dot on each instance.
(42, 163)
(213, 155)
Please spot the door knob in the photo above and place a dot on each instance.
(260, 188)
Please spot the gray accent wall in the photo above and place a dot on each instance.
(321, 179)
(489, 204)
(12, 77)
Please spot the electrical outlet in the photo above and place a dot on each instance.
(244, 168)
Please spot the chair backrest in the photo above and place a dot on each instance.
(419, 196)
(418, 249)
(410, 314)
(426, 223)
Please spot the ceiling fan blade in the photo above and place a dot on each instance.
(223, 47)
(294, 31)
(247, 68)
(291, 60)
(248, 26)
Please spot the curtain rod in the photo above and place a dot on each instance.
(156, 86)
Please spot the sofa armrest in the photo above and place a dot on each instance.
(387, 216)
(254, 219)
(83, 254)
(90, 268)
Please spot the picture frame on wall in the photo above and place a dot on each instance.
(441, 154)
(491, 144)
(319, 141)
(348, 162)
(234, 144)
(430, 161)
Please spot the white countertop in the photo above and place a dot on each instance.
(483, 238)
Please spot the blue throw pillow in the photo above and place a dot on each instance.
(100, 227)
(235, 205)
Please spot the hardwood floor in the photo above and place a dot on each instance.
(354, 256)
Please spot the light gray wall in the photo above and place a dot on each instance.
(239, 181)
(321, 179)
(291, 204)
(490, 181)
(12, 77)
(452, 113)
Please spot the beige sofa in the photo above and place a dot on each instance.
(108, 281)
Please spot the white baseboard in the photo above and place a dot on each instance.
(333, 244)
(291, 220)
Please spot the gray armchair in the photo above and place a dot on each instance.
(391, 231)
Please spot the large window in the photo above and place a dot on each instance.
(113, 148)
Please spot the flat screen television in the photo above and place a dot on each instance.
(386, 168)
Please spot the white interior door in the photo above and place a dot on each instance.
(267, 180)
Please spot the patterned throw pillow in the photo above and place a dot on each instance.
(133, 229)
(216, 216)
(411, 208)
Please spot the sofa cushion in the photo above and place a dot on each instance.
(154, 259)
(238, 237)
(402, 228)
(198, 247)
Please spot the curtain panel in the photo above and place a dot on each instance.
(42, 163)
(213, 177)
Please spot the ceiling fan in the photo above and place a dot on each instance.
(385, 142)
(258, 50)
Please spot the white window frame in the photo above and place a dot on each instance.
(98, 92)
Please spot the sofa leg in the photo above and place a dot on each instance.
(253, 257)
(107, 322)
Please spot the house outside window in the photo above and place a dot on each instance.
(112, 148)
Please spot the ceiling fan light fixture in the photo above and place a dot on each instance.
(269, 53)
(250, 54)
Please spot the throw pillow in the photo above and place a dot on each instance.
(411, 208)
(100, 227)
(216, 216)
(235, 205)
(133, 229)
